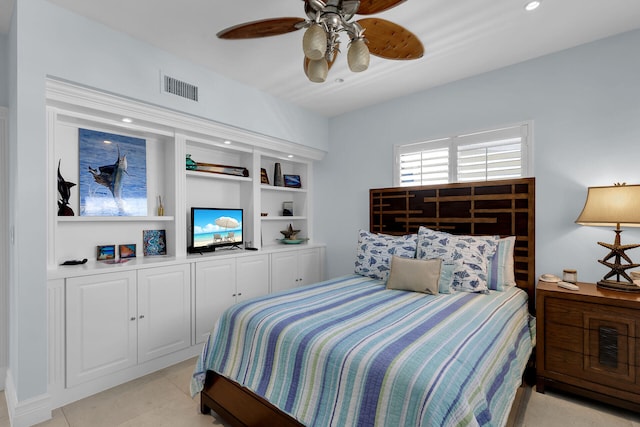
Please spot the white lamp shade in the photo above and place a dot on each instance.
(358, 56)
(609, 206)
(314, 42)
(317, 70)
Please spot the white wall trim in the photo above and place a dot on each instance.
(72, 97)
(4, 246)
(27, 412)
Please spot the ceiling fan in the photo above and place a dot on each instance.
(321, 41)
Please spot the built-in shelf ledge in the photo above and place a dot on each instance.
(221, 176)
(288, 189)
(282, 218)
(113, 218)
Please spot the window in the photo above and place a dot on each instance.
(480, 156)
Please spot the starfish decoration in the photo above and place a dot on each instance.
(617, 251)
(290, 233)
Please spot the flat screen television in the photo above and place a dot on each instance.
(212, 228)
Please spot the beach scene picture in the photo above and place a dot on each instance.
(113, 174)
(217, 226)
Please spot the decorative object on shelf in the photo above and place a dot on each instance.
(190, 163)
(614, 206)
(277, 175)
(160, 206)
(292, 181)
(326, 21)
(264, 178)
(293, 241)
(264, 213)
(117, 189)
(290, 233)
(154, 242)
(222, 169)
(106, 252)
(569, 275)
(64, 190)
(287, 208)
(127, 251)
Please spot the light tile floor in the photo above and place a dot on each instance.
(162, 399)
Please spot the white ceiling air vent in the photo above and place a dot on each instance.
(180, 88)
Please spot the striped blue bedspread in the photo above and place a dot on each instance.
(348, 352)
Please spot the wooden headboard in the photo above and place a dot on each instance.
(504, 207)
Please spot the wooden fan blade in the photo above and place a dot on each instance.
(391, 41)
(262, 28)
(369, 7)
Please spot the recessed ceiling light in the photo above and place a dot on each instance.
(339, 80)
(227, 142)
(127, 120)
(532, 5)
(290, 156)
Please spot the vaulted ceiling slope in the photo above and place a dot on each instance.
(461, 38)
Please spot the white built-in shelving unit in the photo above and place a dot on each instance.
(103, 318)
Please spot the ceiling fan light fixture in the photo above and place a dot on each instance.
(314, 42)
(358, 56)
(317, 70)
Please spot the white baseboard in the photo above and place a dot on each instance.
(27, 412)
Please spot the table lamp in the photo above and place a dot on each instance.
(614, 206)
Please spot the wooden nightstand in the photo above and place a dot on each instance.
(589, 343)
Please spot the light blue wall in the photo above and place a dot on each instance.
(585, 104)
(4, 71)
(47, 41)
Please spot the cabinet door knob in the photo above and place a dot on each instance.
(133, 318)
(142, 316)
(240, 294)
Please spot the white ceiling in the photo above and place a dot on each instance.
(461, 38)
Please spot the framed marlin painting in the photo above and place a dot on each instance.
(113, 174)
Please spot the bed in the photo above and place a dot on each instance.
(355, 351)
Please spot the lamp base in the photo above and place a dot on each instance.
(618, 286)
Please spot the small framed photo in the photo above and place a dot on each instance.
(154, 242)
(292, 181)
(264, 178)
(127, 251)
(287, 208)
(106, 252)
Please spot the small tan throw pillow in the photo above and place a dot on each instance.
(417, 275)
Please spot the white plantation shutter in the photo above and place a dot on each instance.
(479, 156)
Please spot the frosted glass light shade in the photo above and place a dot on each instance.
(314, 42)
(609, 206)
(317, 70)
(358, 56)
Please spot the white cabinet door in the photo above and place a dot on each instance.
(284, 270)
(100, 325)
(164, 311)
(215, 289)
(308, 266)
(252, 277)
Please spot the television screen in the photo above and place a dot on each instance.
(215, 227)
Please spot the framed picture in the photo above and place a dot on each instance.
(154, 242)
(113, 174)
(264, 178)
(127, 251)
(287, 208)
(106, 252)
(292, 181)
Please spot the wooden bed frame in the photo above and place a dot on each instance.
(505, 208)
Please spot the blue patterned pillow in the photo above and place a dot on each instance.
(471, 253)
(375, 251)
